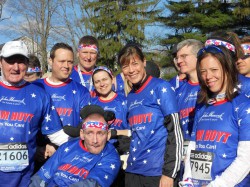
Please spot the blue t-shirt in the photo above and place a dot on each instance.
(84, 78)
(218, 128)
(68, 99)
(23, 111)
(147, 108)
(72, 163)
(186, 96)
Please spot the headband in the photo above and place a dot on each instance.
(84, 46)
(245, 46)
(33, 70)
(104, 69)
(217, 42)
(95, 124)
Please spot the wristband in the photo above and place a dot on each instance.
(129, 133)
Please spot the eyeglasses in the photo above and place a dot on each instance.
(245, 56)
(183, 57)
(209, 49)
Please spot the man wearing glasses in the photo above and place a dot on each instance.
(243, 67)
(186, 94)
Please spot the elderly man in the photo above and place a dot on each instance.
(86, 161)
(24, 108)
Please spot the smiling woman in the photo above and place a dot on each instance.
(223, 119)
(156, 145)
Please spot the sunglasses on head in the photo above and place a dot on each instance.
(209, 49)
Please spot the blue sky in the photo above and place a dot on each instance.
(14, 19)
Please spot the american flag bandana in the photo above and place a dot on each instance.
(83, 46)
(33, 70)
(217, 42)
(95, 124)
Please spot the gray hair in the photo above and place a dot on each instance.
(195, 44)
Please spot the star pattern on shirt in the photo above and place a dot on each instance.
(134, 149)
(172, 88)
(53, 107)
(11, 138)
(112, 166)
(46, 128)
(123, 103)
(248, 96)
(224, 155)
(139, 142)
(106, 177)
(29, 132)
(236, 109)
(74, 91)
(69, 124)
(248, 111)
(134, 158)
(164, 90)
(33, 95)
(145, 161)
(148, 150)
(66, 149)
(152, 131)
(47, 118)
(159, 101)
(151, 92)
(239, 121)
(187, 132)
(239, 85)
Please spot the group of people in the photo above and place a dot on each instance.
(82, 126)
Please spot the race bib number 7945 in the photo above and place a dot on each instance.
(201, 164)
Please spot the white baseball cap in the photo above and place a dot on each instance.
(14, 48)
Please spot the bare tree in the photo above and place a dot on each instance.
(34, 19)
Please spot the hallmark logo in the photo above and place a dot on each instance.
(211, 116)
(58, 97)
(12, 100)
(110, 109)
(135, 104)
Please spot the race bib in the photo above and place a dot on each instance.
(185, 147)
(13, 157)
(201, 164)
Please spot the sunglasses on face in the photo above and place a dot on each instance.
(209, 49)
(245, 56)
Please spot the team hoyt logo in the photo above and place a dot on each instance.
(15, 116)
(212, 136)
(140, 119)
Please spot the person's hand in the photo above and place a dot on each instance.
(109, 135)
(49, 151)
(166, 181)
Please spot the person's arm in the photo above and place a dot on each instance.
(237, 171)
(58, 137)
(173, 152)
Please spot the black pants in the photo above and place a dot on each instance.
(132, 180)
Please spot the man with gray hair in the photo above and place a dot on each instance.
(186, 94)
(24, 108)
